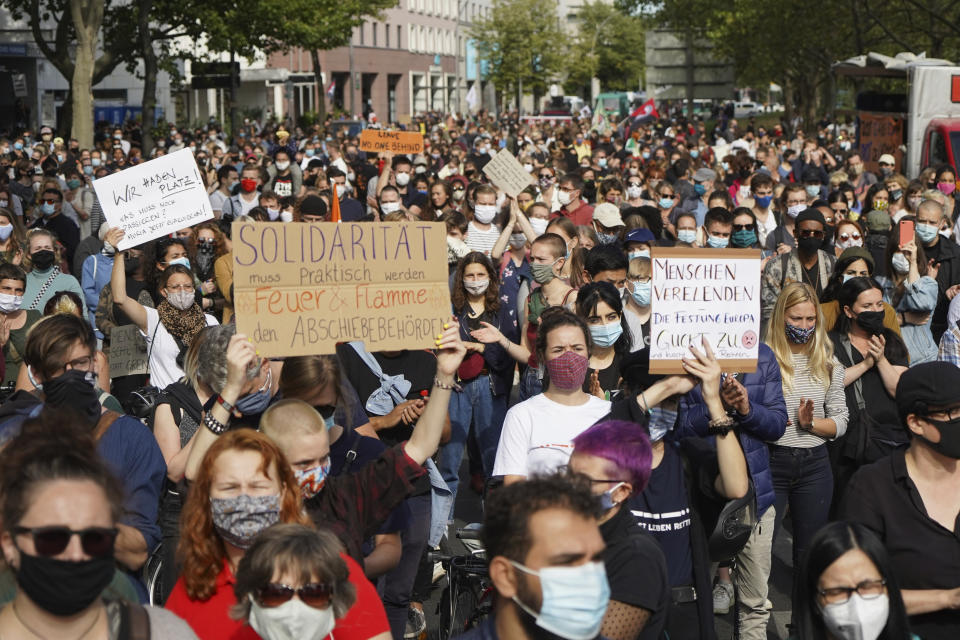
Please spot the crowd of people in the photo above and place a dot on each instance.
(300, 497)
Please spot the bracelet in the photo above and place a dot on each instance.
(720, 426)
(453, 386)
(223, 403)
(215, 426)
(646, 405)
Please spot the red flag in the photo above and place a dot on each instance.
(647, 110)
(334, 205)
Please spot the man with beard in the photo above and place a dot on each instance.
(546, 562)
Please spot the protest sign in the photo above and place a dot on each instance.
(155, 198)
(507, 173)
(128, 351)
(301, 288)
(701, 293)
(378, 140)
(880, 134)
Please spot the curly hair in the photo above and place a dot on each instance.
(201, 551)
(458, 295)
(219, 239)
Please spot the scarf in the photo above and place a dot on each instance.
(182, 325)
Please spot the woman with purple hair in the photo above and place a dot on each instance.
(615, 455)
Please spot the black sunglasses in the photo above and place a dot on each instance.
(50, 541)
(743, 227)
(315, 594)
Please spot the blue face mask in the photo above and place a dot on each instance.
(48, 209)
(606, 498)
(18, 146)
(606, 238)
(688, 236)
(181, 260)
(799, 335)
(694, 153)
(645, 155)
(665, 203)
(717, 243)
(763, 201)
(847, 276)
(328, 421)
(662, 422)
(258, 401)
(605, 335)
(574, 599)
(639, 253)
(699, 188)
(602, 162)
(926, 232)
(309, 153)
(641, 293)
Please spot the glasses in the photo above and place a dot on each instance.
(810, 233)
(51, 541)
(868, 590)
(315, 594)
(847, 236)
(945, 414)
(546, 176)
(638, 279)
(841, 212)
(743, 227)
(84, 363)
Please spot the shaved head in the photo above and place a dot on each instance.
(931, 208)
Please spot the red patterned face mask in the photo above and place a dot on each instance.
(568, 370)
(312, 480)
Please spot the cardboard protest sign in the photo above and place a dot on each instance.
(507, 173)
(128, 351)
(301, 288)
(155, 198)
(377, 140)
(880, 134)
(705, 293)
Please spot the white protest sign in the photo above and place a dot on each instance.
(155, 198)
(128, 351)
(507, 173)
(705, 293)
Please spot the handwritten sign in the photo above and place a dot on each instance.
(301, 288)
(155, 198)
(128, 351)
(701, 293)
(507, 173)
(880, 134)
(377, 140)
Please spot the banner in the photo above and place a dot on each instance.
(128, 351)
(155, 198)
(301, 288)
(507, 173)
(880, 134)
(707, 293)
(378, 140)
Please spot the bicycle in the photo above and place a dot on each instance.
(467, 598)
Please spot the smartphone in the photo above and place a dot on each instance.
(906, 232)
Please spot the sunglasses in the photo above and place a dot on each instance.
(810, 233)
(846, 236)
(54, 201)
(743, 227)
(315, 594)
(51, 541)
(841, 211)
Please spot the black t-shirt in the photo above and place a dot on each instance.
(881, 406)
(636, 570)
(812, 276)
(609, 377)
(413, 198)
(283, 186)
(663, 510)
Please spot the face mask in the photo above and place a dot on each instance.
(900, 263)
(809, 245)
(286, 216)
(238, 520)
(763, 201)
(292, 620)
(575, 599)
(389, 207)
(539, 225)
(645, 155)
(634, 192)
(73, 184)
(605, 335)
(484, 213)
(310, 153)
(715, 242)
(283, 165)
(63, 587)
(926, 232)
(273, 214)
(74, 390)
(694, 153)
(688, 236)
(665, 203)
(181, 260)
(518, 240)
(871, 322)
(914, 202)
(743, 238)
(949, 444)
(606, 238)
(798, 335)
(641, 293)
(565, 197)
(528, 167)
(459, 194)
(602, 162)
(403, 179)
(857, 618)
(10, 303)
(639, 253)
(545, 182)
(946, 188)
(661, 422)
(476, 287)
(181, 300)
(247, 185)
(18, 146)
(568, 370)
(896, 194)
(5, 230)
(543, 273)
(795, 210)
(43, 259)
(88, 169)
(699, 188)
(311, 481)
(606, 498)
(48, 209)
(131, 265)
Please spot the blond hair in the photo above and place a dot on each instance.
(819, 349)
(289, 417)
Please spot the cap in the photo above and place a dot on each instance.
(608, 215)
(810, 175)
(887, 159)
(641, 234)
(703, 174)
(811, 214)
(879, 221)
(58, 140)
(45, 129)
(313, 206)
(857, 253)
(926, 386)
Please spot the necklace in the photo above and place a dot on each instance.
(34, 633)
(807, 276)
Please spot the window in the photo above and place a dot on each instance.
(386, 36)
(399, 44)
(373, 26)
(361, 33)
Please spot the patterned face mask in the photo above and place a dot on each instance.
(311, 481)
(239, 519)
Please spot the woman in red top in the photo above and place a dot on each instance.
(243, 486)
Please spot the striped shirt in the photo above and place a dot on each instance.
(482, 241)
(828, 402)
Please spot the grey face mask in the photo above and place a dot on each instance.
(241, 518)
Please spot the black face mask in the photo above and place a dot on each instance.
(43, 259)
(809, 245)
(949, 444)
(62, 587)
(871, 322)
(74, 390)
(130, 265)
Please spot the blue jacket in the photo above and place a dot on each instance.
(765, 423)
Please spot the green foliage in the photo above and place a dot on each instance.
(609, 46)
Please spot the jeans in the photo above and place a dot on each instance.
(530, 384)
(803, 479)
(751, 575)
(475, 405)
(396, 586)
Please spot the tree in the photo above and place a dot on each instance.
(523, 43)
(87, 16)
(609, 46)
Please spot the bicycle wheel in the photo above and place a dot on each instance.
(464, 609)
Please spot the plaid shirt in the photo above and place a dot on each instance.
(950, 347)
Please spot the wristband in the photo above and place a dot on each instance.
(215, 426)
(450, 387)
(223, 403)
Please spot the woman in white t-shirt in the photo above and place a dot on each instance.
(538, 433)
(170, 327)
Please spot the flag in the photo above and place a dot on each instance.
(334, 204)
(644, 113)
(331, 89)
(472, 101)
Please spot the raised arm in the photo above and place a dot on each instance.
(118, 284)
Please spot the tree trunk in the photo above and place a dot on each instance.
(150, 70)
(87, 17)
(321, 91)
(788, 104)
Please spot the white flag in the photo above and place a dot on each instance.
(472, 101)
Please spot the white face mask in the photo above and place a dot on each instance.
(634, 192)
(539, 225)
(528, 167)
(796, 210)
(286, 216)
(273, 214)
(485, 213)
(518, 240)
(857, 618)
(476, 287)
(10, 303)
(565, 197)
(389, 207)
(403, 179)
(283, 165)
(182, 300)
(292, 620)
